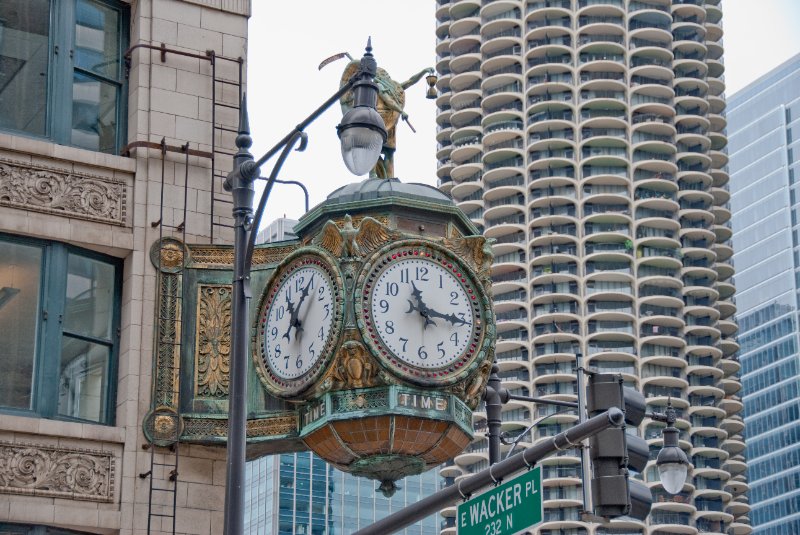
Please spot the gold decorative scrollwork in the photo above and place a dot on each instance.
(222, 256)
(203, 429)
(213, 341)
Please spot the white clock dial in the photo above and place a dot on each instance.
(296, 328)
(423, 313)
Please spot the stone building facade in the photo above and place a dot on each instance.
(79, 332)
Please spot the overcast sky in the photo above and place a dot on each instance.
(288, 40)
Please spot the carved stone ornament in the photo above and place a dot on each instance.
(57, 472)
(213, 342)
(351, 242)
(56, 191)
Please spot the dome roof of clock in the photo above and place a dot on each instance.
(375, 188)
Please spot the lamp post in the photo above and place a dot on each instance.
(362, 134)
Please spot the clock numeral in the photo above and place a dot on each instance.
(454, 339)
(327, 308)
(298, 362)
(421, 353)
(453, 298)
(441, 281)
(404, 275)
(274, 332)
(279, 312)
(286, 362)
(392, 289)
(389, 327)
(322, 333)
(440, 349)
(463, 317)
(405, 341)
(422, 274)
(384, 304)
(311, 350)
(321, 293)
(298, 283)
(278, 351)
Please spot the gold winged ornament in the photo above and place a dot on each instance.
(475, 249)
(349, 242)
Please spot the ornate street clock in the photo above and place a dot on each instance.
(299, 322)
(379, 329)
(421, 312)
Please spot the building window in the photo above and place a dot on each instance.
(62, 73)
(59, 310)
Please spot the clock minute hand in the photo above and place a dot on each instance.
(292, 318)
(452, 318)
(298, 326)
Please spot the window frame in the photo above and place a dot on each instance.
(61, 69)
(37, 529)
(50, 331)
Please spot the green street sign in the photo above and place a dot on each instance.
(503, 510)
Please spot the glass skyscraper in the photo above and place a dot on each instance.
(587, 137)
(300, 494)
(763, 130)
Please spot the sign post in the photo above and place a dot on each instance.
(506, 509)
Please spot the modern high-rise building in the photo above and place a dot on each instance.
(764, 128)
(300, 494)
(587, 137)
(280, 229)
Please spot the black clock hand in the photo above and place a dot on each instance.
(421, 307)
(423, 311)
(452, 318)
(303, 294)
(292, 318)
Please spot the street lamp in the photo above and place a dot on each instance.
(362, 134)
(672, 463)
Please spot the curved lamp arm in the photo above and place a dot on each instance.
(262, 202)
(517, 440)
(296, 183)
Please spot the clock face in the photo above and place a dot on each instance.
(424, 311)
(299, 323)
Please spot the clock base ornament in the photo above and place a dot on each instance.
(386, 433)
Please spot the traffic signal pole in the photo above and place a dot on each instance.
(462, 490)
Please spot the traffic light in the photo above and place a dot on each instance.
(613, 451)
